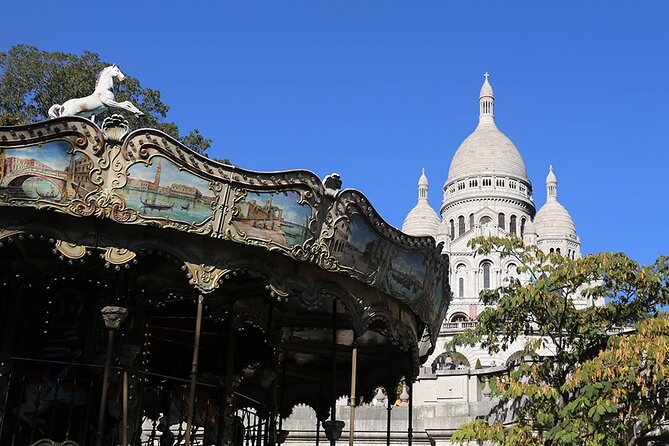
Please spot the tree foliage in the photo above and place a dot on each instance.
(565, 397)
(32, 80)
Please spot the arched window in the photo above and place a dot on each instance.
(459, 317)
(558, 251)
(522, 226)
(551, 251)
(485, 220)
(471, 221)
(461, 225)
(486, 275)
(452, 229)
(512, 224)
(461, 287)
(500, 220)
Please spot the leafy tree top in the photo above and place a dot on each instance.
(548, 393)
(32, 80)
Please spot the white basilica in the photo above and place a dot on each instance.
(487, 193)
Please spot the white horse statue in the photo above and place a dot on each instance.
(98, 101)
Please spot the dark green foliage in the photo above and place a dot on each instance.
(595, 388)
(32, 80)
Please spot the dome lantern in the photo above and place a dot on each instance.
(422, 186)
(551, 184)
(486, 102)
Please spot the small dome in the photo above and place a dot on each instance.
(554, 220)
(486, 88)
(422, 181)
(422, 220)
(551, 178)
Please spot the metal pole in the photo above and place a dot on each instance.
(333, 408)
(410, 410)
(389, 410)
(228, 411)
(193, 370)
(125, 409)
(105, 383)
(354, 367)
(318, 431)
(113, 316)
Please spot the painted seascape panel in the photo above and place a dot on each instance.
(47, 172)
(276, 217)
(355, 244)
(161, 190)
(406, 275)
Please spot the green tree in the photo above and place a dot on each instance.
(622, 395)
(541, 310)
(32, 80)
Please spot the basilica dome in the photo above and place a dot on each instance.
(553, 219)
(487, 150)
(422, 220)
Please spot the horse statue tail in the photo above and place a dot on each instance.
(55, 111)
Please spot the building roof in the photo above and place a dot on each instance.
(487, 150)
(422, 220)
(553, 220)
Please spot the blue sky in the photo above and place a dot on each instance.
(375, 90)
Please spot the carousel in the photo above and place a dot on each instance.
(152, 296)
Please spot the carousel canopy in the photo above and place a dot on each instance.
(310, 270)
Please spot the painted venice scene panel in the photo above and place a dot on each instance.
(356, 245)
(47, 172)
(276, 217)
(161, 190)
(406, 275)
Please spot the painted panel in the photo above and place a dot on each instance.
(160, 190)
(406, 274)
(356, 245)
(47, 172)
(273, 217)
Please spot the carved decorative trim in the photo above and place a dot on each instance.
(118, 256)
(205, 277)
(70, 250)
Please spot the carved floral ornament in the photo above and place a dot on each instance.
(71, 166)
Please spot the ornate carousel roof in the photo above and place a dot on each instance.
(292, 260)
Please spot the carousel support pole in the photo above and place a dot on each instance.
(270, 430)
(410, 430)
(125, 409)
(318, 430)
(113, 316)
(389, 410)
(354, 367)
(228, 410)
(193, 370)
(283, 385)
(333, 407)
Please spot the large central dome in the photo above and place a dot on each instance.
(487, 151)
